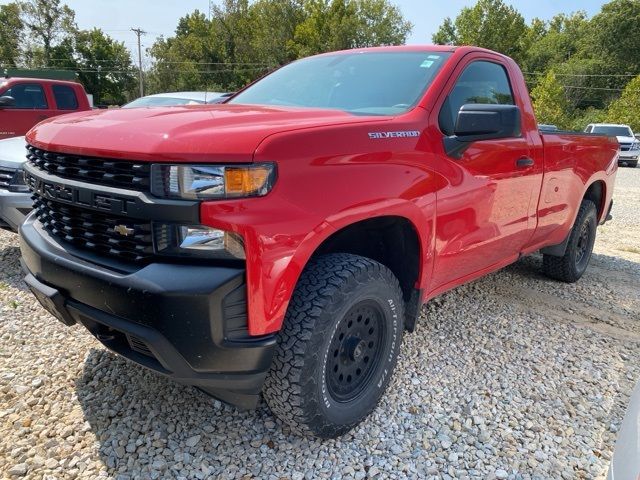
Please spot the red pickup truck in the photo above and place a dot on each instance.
(27, 101)
(282, 242)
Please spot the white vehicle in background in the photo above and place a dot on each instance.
(176, 98)
(15, 198)
(629, 144)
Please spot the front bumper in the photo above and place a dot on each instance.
(187, 322)
(629, 156)
(14, 207)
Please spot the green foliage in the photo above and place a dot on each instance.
(343, 24)
(555, 42)
(626, 109)
(47, 21)
(105, 66)
(489, 23)
(549, 101)
(582, 118)
(592, 59)
(243, 40)
(615, 35)
(10, 34)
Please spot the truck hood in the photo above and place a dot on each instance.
(626, 139)
(228, 133)
(12, 152)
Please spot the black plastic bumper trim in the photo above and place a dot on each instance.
(176, 311)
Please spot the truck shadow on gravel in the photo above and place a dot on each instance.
(150, 427)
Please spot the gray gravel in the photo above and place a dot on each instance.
(513, 376)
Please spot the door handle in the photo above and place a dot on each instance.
(524, 162)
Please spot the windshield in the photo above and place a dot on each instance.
(161, 102)
(375, 83)
(613, 131)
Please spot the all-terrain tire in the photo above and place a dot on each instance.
(338, 346)
(572, 265)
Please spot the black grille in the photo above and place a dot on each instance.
(94, 231)
(6, 174)
(102, 171)
(625, 147)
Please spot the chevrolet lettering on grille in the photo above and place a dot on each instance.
(80, 197)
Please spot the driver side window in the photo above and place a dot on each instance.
(481, 82)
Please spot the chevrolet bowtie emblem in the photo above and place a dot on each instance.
(123, 230)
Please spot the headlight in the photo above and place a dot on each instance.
(635, 146)
(197, 241)
(210, 182)
(17, 184)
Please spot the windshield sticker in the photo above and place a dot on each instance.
(426, 64)
(434, 57)
(402, 134)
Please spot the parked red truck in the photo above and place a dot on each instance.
(27, 101)
(281, 243)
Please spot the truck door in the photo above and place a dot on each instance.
(31, 107)
(486, 213)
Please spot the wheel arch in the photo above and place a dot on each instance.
(597, 193)
(391, 240)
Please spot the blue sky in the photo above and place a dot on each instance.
(116, 17)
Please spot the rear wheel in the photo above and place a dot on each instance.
(572, 265)
(338, 346)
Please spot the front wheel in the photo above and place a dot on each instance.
(338, 346)
(572, 265)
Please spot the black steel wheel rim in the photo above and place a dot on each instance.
(582, 246)
(355, 351)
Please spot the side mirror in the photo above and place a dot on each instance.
(476, 122)
(7, 101)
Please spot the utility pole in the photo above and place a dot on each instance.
(139, 32)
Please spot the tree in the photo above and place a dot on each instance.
(490, 24)
(274, 23)
(244, 40)
(549, 101)
(344, 24)
(104, 66)
(48, 21)
(614, 35)
(10, 34)
(626, 109)
(557, 41)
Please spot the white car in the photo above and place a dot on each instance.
(15, 198)
(629, 144)
(176, 98)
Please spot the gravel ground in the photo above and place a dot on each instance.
(512, 376)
